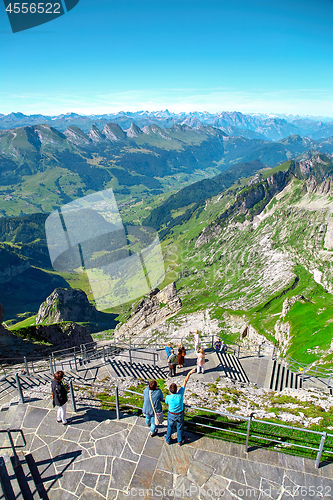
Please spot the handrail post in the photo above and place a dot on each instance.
(104, 358)
(116, 395)
(259, 350)
(54, 363)
(19, 388)
(249, 420)
(273, 353)
(51, 365)
(238, 353)
(16, 458)
(26, 366)
(154, 354)
(213, 341)
(71, 390)
(328, 383)
(321, 447)
(130, 355)
(155, 344)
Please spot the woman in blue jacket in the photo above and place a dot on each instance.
(168, 349)
(147, 410)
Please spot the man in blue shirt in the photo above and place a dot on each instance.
(176, 410)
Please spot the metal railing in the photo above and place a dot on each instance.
(22, 364)
(285, 442)
(78, 356)
(88, 353)
(252, 433)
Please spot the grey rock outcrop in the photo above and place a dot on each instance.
(61, 335)
(65, 304)
(152, 309)
(250, 335)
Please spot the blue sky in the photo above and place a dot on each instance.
(206, 55)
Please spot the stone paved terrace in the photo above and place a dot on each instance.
(98, 457)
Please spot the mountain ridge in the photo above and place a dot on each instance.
(265, 126)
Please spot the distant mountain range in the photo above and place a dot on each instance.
(260, 126)
(42, 168)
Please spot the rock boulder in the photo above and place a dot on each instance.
(65, 304)
(61, 335)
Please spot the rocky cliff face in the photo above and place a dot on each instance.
(65, 305)
(251, 200)
(6, 338)
(150, 311)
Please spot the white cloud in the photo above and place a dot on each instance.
(301, 101)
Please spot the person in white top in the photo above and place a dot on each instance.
(196, 340)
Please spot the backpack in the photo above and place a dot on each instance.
(172, 359)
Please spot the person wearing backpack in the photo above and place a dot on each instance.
(152, 408)
(172, 361)
(217, 345)
(59, 395)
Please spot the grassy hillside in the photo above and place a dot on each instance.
(243, 266)
(253, 251)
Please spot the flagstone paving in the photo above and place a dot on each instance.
(100, 458)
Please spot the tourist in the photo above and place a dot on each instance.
(176, 410)
(152, 395)
(181, 355)
(172, 361)
(223, 347)
(217, 345)
(201, 361)
(168, 349)
(59, 394)
(196, 340)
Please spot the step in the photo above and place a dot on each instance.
(287, 383)
(277, 377)
(7, 398)
(268, 376)
(282, 381)
(273, 375)
(241, 372)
